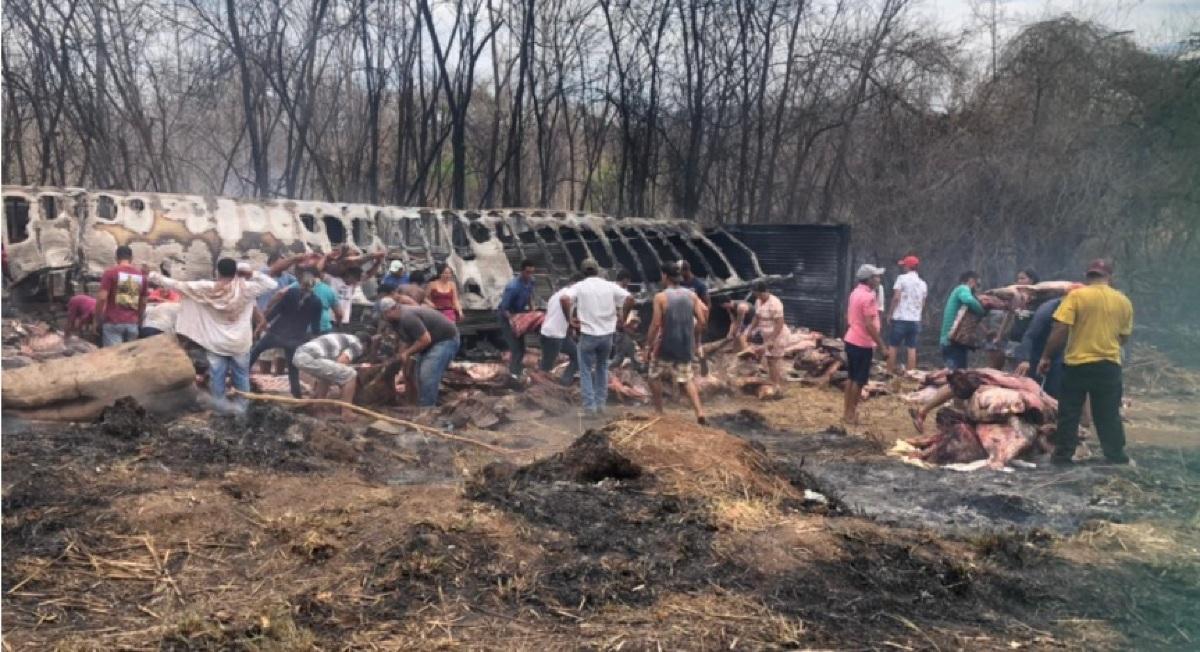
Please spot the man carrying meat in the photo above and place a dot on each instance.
(1094, 322)
(862, 335)
(954, 354)
(671, 340)
(517, 298)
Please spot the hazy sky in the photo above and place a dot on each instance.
(1155, 22)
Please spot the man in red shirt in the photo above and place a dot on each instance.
(121, 306)
(862, 335)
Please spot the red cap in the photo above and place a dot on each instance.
(909, 261)
(1101, 267)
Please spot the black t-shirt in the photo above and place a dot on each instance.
(415, 321)
(295, 316)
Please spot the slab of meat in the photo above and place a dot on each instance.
(921, 396)
(628, 385)
(1005, 441)
(525, 322)
(995, 404)
(955, 441)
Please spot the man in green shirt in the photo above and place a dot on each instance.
(955, 355)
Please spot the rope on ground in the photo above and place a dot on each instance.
(329, 402)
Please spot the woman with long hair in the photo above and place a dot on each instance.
(443, 294)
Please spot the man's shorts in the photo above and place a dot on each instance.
(904, 333)
(858, 363)
(324, 369)
(679, 372)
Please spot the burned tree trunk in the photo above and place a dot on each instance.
(79, 387)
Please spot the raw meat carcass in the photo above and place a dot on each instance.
(955, 441)
(995, 404)
(1005, 441)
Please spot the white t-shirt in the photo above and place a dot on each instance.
(596, 304)
(912, 297)
(162, 316)
(345, 295)
(556, 323)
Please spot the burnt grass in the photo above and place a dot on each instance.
(596, 533)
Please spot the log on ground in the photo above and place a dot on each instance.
(78, 388)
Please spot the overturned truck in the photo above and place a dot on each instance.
(59, 239)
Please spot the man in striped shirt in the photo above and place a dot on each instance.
(327, 358)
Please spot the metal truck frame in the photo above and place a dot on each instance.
(58, 238)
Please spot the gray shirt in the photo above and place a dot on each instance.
(415, 321)
(678, 326)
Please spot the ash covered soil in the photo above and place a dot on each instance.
(282, 532)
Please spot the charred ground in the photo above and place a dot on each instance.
(286, 532)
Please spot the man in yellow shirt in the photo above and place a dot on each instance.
(1094, 322)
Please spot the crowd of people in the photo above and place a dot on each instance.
(296, 316)
(1071, 344)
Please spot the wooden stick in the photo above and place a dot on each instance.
(329, 402)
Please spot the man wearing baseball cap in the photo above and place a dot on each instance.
(908, 302)
(1093, 322)
(394, 278)
(862, 334)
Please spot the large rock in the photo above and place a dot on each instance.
(153, 371)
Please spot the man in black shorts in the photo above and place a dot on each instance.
(862, 336)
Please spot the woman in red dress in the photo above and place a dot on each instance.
(443, 294)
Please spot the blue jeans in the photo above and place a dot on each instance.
(239, 366)
(516, 347)
(594, 351)
(114, 334)
(551, 347)
(431, 366)
(955, 356)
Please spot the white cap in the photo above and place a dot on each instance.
(396, 267)
(244, 267)
(868, 271)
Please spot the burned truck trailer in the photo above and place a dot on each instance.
(57, 239)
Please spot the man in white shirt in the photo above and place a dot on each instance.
(217, 316)
(908, 302)
(598, 305)
(555, 337)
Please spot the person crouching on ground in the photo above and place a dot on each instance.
(861, 338)
(429, 338)
(670, 342)
(217, 316)
(328, 358)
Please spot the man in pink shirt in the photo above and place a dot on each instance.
(862, 335)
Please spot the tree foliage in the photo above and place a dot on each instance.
(1076, 143)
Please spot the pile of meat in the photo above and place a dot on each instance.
(998, 418)
(26, 343)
